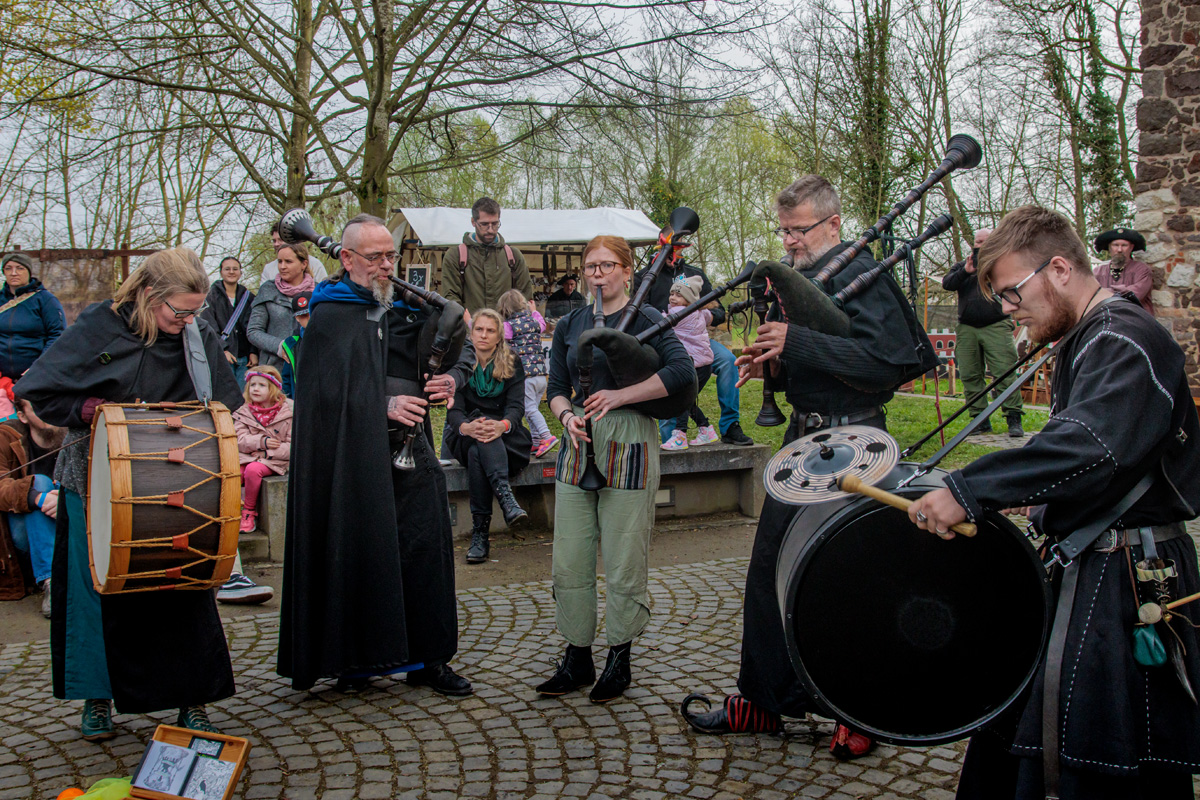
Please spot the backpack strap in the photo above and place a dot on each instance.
(462, 266)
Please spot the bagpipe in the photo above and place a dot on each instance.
(441, 339)
(808, 302)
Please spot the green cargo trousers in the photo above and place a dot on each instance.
(992, 348)
(618, 518)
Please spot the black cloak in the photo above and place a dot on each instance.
(165, 649)
(368, 582)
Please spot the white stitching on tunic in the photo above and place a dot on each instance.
(1149, 366)
(1094, 436)
(1069, 477)
(1146, 689)
(1079, 653)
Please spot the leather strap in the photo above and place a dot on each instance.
(16, 301)
(1074, 544)
(814, 421)
(1053, 681)
(237, 312)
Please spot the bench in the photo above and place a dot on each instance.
(700, 480)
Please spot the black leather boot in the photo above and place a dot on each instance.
(575, 671)
(513, 513)
(1014, 424)
(616, 676)
(477, 553)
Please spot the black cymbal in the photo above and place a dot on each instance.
(807, 470)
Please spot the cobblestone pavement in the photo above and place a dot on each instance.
(505, 741)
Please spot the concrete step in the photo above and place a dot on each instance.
(254, 547)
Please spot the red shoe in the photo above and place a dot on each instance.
(249, 521)
(848, 745)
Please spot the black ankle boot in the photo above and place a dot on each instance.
(575, 671)
(616, 676)
(513, 513)
(477, 553)
(1014, 424)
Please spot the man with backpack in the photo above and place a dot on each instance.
(483, 267)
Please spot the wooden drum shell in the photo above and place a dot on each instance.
(164, 497)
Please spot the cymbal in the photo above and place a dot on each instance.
(807, 470)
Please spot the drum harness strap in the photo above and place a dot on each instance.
(197, 362)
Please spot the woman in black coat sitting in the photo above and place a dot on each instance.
(485, 430)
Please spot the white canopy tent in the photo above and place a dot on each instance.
(442, 227)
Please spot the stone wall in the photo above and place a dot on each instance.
(1168, 172)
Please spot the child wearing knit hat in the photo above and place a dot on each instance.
(693, 332)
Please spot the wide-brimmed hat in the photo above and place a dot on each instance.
(23, 259)
(568, 277)
(1128, 234)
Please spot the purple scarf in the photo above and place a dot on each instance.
(287, 290)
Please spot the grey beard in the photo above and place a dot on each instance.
(383, 293)
(1118, 262)
(812, 258)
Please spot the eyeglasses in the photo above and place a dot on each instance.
(796, 233)
(600, 268)
(1013, 294)
(376, 259)
(191, 312)
(488, 225)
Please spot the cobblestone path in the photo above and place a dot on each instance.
(505, 741)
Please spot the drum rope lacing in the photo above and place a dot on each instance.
(173, 542)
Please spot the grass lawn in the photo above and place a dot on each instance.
(909, 418)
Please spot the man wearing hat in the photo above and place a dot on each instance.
(566, 299)
(1121, 273)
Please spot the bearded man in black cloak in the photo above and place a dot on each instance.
(368, 582)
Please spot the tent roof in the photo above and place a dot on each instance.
(441, 227)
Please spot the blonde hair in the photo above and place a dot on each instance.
(503, 357)
(1037, 232)
(165, 273)
(511, 303)
(301, 253)
(275, 395)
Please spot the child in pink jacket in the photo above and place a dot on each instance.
(264, 432)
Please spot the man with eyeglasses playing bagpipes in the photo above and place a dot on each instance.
(369, 565)
(830, 381)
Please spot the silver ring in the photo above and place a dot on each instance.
(921, 517)
(940, 532)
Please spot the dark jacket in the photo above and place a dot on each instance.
(560, 303)
(220, 310)
(973, 308)
(509, 405)
(28, 329)
(660, 292)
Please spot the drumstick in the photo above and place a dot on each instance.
(851, 483)
(1183, 600)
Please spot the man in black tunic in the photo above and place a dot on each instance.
(1118, 729)
(830, 381)
(368, 570)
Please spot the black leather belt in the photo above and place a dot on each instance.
(813, 421)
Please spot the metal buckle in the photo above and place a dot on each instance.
(809, 421)
(1057, 557)
(1109, 542)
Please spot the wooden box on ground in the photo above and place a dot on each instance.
(232, 750)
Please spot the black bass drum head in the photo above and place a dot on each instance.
(909, 638)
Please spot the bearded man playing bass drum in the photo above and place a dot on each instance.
(1113, 711)
(830, 381)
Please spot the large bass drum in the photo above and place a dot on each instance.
(163, 497)
(904, 636)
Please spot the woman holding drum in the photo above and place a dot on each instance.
(620, 515)
(154, 650)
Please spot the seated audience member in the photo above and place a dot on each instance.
(485, 432)
(693, 332)
(523, 327)
(29, 495)
(264, 431)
